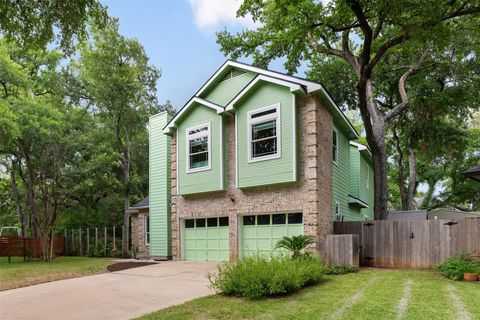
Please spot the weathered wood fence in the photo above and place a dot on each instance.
(14, 246)
(340, 249)
(414, 243)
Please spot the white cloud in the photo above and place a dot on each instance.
(214, 13)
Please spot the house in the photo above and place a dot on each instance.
(473, 173)
(407, 215)
(453, 212)
(140, 227)
(253, 156)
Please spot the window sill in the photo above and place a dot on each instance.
(265, 158)
(199, 170)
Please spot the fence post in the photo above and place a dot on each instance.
(114, 247)
(88, 242)
(123, 234)
(73, 240)
(96, 240)
(80, 242)
(105, 241)
(66, 242)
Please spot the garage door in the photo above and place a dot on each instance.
(206, 239)
(260, 233)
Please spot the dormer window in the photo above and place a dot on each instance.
(198, 148)
(264, 133)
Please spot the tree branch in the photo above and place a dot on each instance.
(366, 30)
(403, 92)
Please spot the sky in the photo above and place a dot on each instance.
(179, 38)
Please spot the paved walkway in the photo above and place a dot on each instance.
(117, 295)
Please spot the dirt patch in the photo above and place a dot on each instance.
(127, 265)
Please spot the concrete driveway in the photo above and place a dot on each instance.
(117, 295)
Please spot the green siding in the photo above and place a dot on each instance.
(224, 91)
(159, 187)
(202, 181)
(341, 176)
(272, 171)
(367, 195)
(354, 171)
(206, 244)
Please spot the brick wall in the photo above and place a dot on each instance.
(311, 194)
(138, 233)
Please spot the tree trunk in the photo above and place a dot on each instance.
(18, 205)
(412, 179)
(401, 176)
(374, 124)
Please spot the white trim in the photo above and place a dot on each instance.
(277, 117)
(294, 138)
(339, 214)
(221, 153)
(293, 87)
(236, 150)
(335, 161)
(353, 200)
(187, 147)
(176, 162)
(219, 109)
(145, 217)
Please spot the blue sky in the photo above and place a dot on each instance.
(179, 37)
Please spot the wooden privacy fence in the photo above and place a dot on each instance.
(412, 243)
(28, 247)
(340, 249)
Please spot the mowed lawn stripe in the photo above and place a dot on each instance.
(403, 303)
(466, 291)
(428, 299)
(462, 313)
(381, 299)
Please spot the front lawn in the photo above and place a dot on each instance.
(368, 294)
(21, 273)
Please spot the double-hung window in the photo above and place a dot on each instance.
(198, 148)
(264, 133)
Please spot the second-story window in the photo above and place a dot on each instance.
(264, 133)
(198, 148)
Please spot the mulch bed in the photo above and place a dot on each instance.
(127, 265)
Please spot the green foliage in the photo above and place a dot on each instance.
(294, 244)
(340, 269)
(256, 277)
(34, 24)
(456, 266)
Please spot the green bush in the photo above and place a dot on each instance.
(259, 276)
(340, 269)
(456, 266)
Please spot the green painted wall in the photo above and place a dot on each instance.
(224, 91)
(354, 171)
(273, 171)
(341, 183)
(203, 181)
(159, 187)
(367, 194)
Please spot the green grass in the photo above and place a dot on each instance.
(21, 273)
(428, 300)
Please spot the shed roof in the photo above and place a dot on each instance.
(473, 173)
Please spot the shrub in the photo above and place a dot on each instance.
(259, 276)
(340, 269)
(294, 244)
(456, 266)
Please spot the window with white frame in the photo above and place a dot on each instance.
(335, 146)
(147, 230)
(198, 148)
(264, 133)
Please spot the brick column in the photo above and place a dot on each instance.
(175, 221)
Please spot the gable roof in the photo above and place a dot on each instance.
(473, 173)
(295, 84)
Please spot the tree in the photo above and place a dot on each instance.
(116, 80)
(303, 29)
(34, 24)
